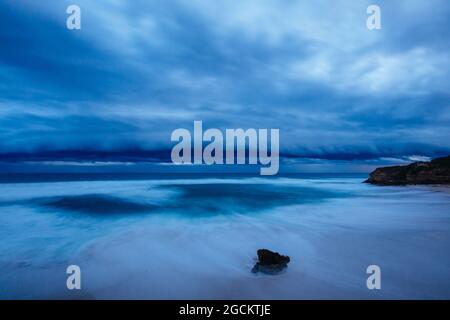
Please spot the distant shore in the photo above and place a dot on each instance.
(436, 171)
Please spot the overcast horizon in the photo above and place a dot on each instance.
(345, 98)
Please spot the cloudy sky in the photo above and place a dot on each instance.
(137, 70)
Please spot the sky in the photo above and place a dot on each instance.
(343, 97)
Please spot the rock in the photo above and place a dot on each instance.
(270, 262)
(267, 257)
(436, 171)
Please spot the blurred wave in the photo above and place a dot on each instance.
(197, 238)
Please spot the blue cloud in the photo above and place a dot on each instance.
(138, 70)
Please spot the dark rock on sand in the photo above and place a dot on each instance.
(436, 171)
(270, 262)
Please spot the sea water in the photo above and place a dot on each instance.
(195, 237)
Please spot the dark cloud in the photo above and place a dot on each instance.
(138, 70)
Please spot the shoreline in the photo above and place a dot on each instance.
(174, 256)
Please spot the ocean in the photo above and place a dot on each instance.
(181, 236)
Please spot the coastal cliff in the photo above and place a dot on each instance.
(436, 171)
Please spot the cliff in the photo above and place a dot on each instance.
(436, 171)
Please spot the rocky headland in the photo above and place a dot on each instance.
(436, 171)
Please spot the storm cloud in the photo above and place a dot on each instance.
(137, 70)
